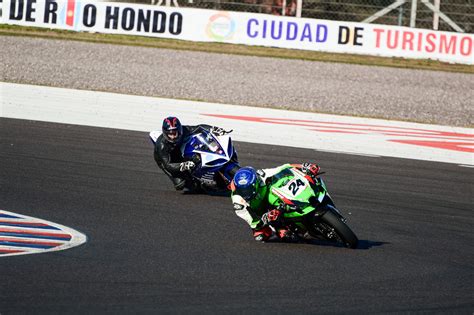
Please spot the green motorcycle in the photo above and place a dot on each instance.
(314, 211)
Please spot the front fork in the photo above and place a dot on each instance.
(327, 205)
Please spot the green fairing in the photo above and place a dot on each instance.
(293, 186)
(315, 215)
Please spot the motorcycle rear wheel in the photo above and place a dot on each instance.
(334, 229)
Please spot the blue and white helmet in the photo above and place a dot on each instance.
(246, 183)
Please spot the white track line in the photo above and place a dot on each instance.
(350, 135)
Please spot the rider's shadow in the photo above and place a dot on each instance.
(212, 193)
(367, 244)
(362, 244)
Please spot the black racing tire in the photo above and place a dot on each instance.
(344, 233)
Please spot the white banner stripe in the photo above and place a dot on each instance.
(20, 248)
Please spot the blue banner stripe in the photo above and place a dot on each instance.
(35, 236)
(3, 215)
(46, 227)
(26, 245)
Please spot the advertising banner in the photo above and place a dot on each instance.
(240, 28)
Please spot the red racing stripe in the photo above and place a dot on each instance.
(23, 223)
(9, 230)
(32, 242)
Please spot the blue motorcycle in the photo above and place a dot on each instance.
(215, 158)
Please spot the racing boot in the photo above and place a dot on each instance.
(263, 234)
(193, 187)
(287, 236)
(178, 183)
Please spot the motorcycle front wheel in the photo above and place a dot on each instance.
(331, 227)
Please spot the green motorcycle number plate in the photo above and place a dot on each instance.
(294, 186)
(292, 190)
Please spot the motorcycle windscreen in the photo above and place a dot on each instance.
(208, 147)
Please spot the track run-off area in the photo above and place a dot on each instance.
(83, 160)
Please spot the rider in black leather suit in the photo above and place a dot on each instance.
(167, 152)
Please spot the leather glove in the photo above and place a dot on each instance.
(187, 166)
(310, 169)
(219, 131)
(271, 216)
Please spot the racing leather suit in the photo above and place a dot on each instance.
(168, 155)
(252, 212)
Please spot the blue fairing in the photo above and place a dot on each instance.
(214, 154)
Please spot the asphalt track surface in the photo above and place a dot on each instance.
(151, 249)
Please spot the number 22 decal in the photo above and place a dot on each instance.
(295, 186)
